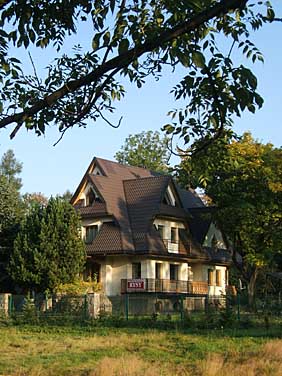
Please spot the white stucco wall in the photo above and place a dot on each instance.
(117, 268)
(200, 273)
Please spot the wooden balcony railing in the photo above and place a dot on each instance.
(177, 246)
(163, 285)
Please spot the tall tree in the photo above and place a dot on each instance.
(243, 178)
(34, 199)
(11, 211)
(10, 167)
(67, 195)
(48, 249)
(146, 149)
(135, 40)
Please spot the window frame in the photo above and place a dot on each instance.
(136, 270)
(173, 272)
(90, 233)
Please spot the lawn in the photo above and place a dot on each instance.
(107, 351)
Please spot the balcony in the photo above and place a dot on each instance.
(177, 246)
(163, 286)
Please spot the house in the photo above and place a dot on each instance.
(144, 234)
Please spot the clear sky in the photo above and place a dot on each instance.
(53, 170)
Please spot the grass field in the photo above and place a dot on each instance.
(67, 350)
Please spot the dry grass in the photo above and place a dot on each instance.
(145, 353)
(267, 362)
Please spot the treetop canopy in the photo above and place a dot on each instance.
(134, 39)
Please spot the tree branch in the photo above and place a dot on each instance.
(125, 59)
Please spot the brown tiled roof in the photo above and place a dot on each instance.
(143, 200)
(98, 209)
(200, 222)
(190, 199)
(108, 240)
(172, 211)
(111, 188)
(133, 197)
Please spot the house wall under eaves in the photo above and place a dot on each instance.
(116, 268)
(200, 273)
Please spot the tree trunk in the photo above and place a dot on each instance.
(251, 288)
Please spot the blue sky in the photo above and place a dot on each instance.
(52, 170)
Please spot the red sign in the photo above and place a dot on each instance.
(135, 284)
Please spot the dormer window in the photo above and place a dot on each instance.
(97, 171)
(214, 242)
(92, 197)
(169, 198)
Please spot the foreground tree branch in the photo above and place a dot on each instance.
(121, 61)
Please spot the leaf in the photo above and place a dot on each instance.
(198, 59)
(106, 38)
(123, 46)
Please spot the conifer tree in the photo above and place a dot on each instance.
(48, 249)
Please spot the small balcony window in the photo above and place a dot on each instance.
(158, 270)
(173, 272)
(210, 277)
(136, 270)
(174, 234)
(218, 277)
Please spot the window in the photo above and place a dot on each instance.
(174, 234)
(92, 197)
(210, 277)
(226, 277)
(136, 270)
(167, 200)
(90, 233)
(214, 242)
(91, 271)
(218, 277)
(158, 270)
(161, 229)
(173, 272)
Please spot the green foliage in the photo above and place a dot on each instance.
(34, 199)
(11, 168)
(135, 40)
(67, 195)
(146, 149)
(78, 287)
(11, 211)
(243, 178)
(48, 249)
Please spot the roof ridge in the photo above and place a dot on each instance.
(148, 177)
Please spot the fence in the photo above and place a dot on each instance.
(130, 305)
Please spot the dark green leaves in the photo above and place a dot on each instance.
(123, 46)
(198, 59)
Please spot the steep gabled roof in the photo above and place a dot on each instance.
(143, 197)
(133, 197)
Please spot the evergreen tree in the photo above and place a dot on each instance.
(48, 249)
(11, 168)
(11, 211)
